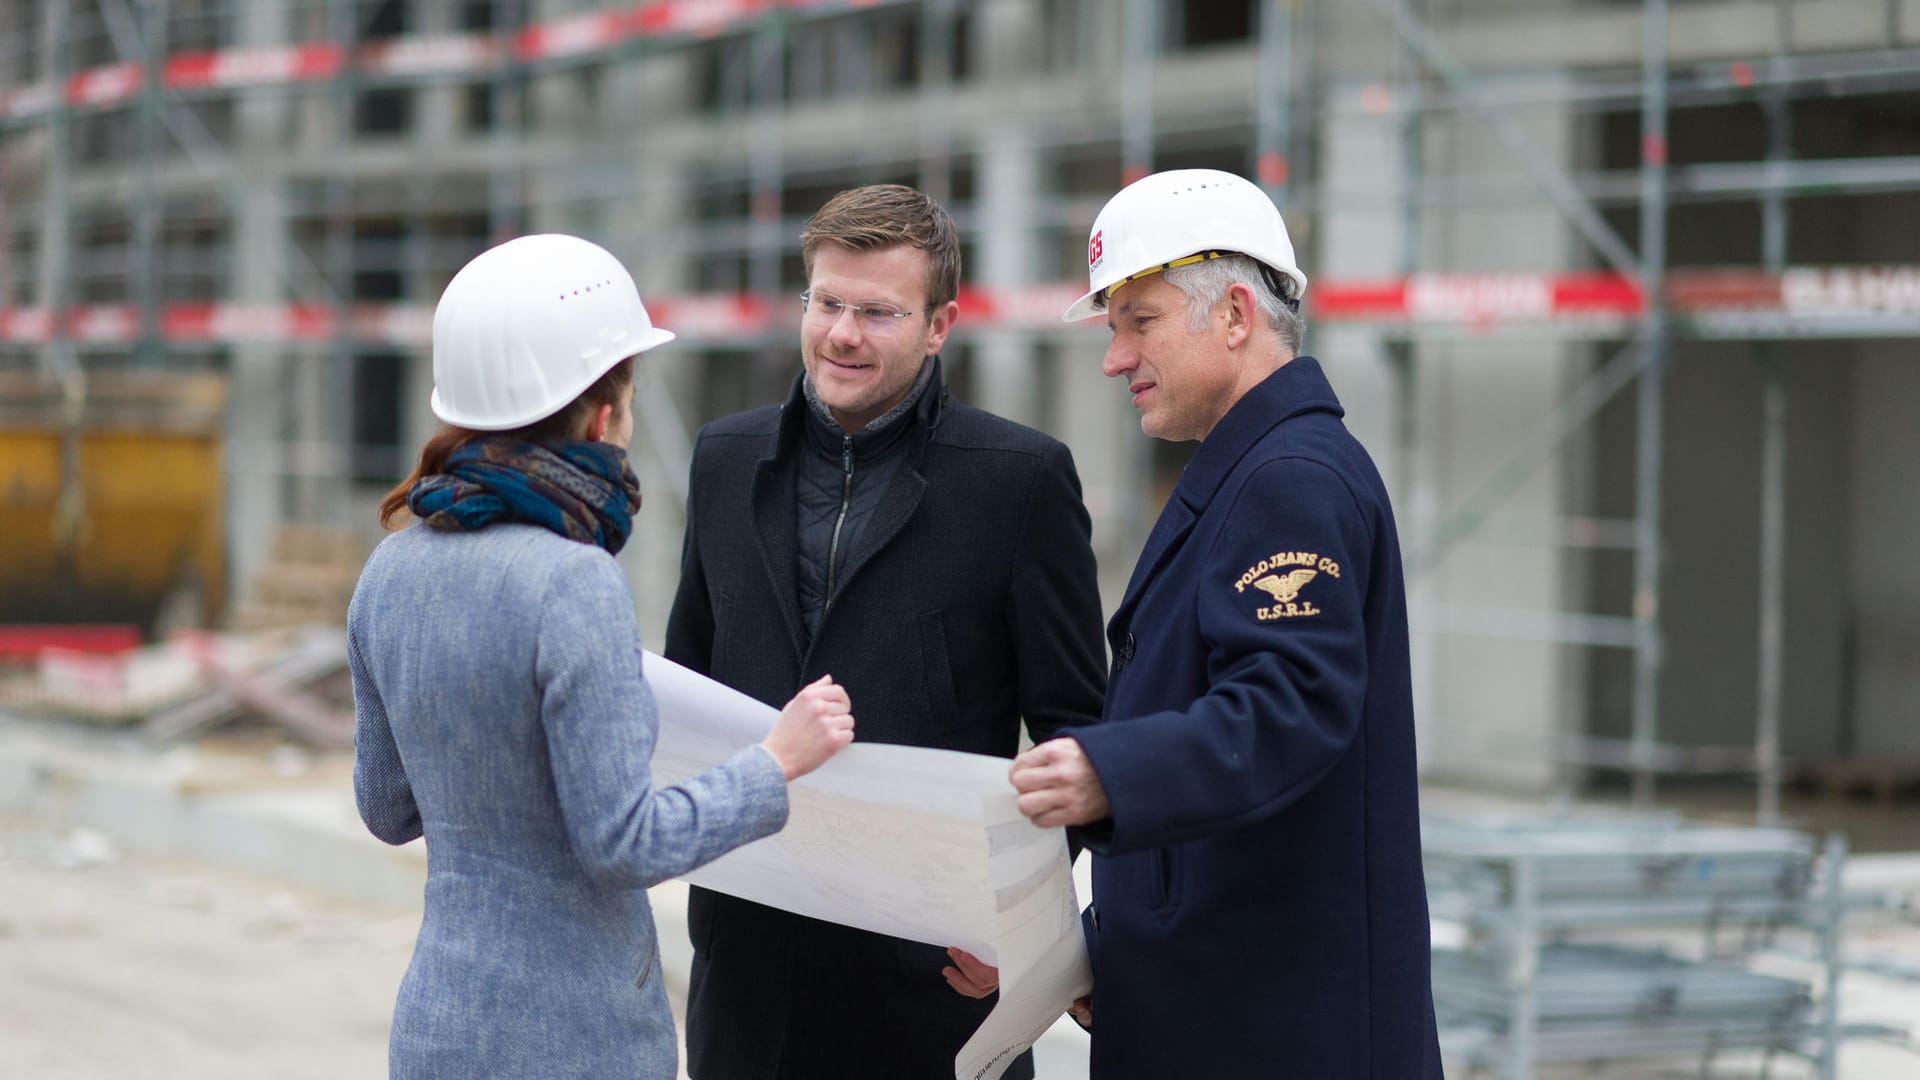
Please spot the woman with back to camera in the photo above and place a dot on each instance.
(502, 711)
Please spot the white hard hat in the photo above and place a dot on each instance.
(528, 325)
(1158, 220)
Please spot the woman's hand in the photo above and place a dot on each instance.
(812, 728)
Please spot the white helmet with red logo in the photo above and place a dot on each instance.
(1166, 219)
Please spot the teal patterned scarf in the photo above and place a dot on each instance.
(585, 491)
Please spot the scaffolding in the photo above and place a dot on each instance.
(133, 233)
(1551, 971)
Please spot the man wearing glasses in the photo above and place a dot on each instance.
(935, 560)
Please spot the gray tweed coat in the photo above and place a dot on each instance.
(502, 715)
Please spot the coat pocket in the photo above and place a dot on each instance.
(647, 966)
(717, 652)
(936, 668)
(1165, 883)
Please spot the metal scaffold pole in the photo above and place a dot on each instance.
(1647, 641)
(1414, 470)
(58, 356)
(336, 359)
(766, 162)
(1273, 117)
(1773, 472)
(766, 171)
(936, 93)
(56, 205)
(1832, 911)
(506, 196)
(1773, 475)
(151, 55)
(1142, 42)
(1140, 37)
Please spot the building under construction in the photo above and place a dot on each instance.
(1622, 296)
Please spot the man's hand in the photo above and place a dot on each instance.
(969, 975)
(1058, 786)
(1082, 1011)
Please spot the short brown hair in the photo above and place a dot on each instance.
(883, 216)
(606, 390)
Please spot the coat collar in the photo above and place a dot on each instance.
(1300, 386)
(775, 491)
(825, 436)
(917, 424)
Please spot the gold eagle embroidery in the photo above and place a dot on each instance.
(1285, 588)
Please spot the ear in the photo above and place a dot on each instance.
(940, 325)
(597, 424)
(1241, 313)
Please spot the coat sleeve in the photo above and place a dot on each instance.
(690, 621)
(1279, 603)
(380, 787)
(601, 724)
(1053, 615)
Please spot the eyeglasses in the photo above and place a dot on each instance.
(873, 318)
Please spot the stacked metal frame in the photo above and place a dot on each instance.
(1589, 941)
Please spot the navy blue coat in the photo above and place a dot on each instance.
(1259, 908)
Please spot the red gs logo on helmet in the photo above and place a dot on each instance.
(1094, 250)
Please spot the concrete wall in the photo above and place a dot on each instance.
(1493, 688)
(1851, 679)
(1710, 579)
(1883, 554)
(1374, 243)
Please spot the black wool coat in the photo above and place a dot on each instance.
(968, 603)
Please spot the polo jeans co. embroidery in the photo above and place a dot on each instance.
(1267, 576)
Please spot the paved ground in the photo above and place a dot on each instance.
(115, 964)
(130, 947)
(118, 966)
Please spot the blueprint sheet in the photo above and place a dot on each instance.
(914, 843)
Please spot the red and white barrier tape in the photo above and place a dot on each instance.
(457, 54)
(1478, 301)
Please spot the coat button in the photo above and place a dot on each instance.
(1126, 650)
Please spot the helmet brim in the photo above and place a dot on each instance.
(1087, 307)
(1090, 307)
(654, 338)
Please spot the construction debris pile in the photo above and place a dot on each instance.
(196, 681)
(284, 663)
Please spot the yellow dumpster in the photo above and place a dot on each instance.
(110, 496)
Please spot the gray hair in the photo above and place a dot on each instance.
(1206, 284)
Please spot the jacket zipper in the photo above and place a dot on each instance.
(846, 502)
